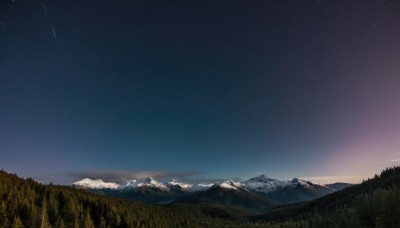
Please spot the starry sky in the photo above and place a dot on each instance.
(199, 89)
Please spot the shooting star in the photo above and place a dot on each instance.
(54, 32)
(52, 26)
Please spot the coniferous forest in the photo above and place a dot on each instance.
(26, 203)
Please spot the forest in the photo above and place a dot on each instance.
(26, 203)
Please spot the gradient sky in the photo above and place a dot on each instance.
(200, 89)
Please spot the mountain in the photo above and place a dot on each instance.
(338, 186)
(265, 184)
(257, 193)
(229, 185)
(149, 183)
(287, 191)
(88, 183)
(229, 194)
(177, 186)
(297, 190)
(149, 190)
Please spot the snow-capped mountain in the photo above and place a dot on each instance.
(177, 183)
(287, 191)
(201, 186)
(260, 183)
(229, 185)
(265, 184)
(153, 191)
(149, 182)
(142, 183)
(95, 184)
(229, 194)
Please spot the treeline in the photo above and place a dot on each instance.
(373, 203)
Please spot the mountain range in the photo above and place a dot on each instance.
(26, 203)
(256, 193)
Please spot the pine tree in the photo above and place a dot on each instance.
(88, 222)
(103, 223)
(44, 220)
(60, 223)
(17, 223)
(3, 215)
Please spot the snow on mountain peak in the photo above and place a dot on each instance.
(226, 186)
(129, 182)
(201, 186)
(150, 182)
(175, 182)
(295, 180)
(264, 184)
(260, 183)
(233, 183)
(95, 184)
(229, 184)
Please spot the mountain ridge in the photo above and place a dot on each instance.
(149, 190)
(260, 183)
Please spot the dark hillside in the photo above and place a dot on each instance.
(373, 203)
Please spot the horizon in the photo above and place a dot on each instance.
(199, 90)
(121, 176)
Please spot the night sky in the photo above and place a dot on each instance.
(199, 89)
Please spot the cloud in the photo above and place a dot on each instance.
(120, 175)
(334, 179)
(391, 161)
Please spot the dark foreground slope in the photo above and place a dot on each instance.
(373, 203)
